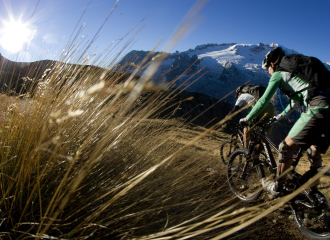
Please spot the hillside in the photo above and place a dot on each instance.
(22, 77)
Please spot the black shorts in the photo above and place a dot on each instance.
(313, 126)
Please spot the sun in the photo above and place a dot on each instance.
(14, 35)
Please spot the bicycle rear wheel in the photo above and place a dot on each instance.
(312, 219)
(243, 176)
(227, 147)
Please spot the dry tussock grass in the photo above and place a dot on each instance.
(80, 163)
(78, 160)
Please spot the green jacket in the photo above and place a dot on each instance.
(288, 84)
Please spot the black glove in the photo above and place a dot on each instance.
(244, 122)
(272, 121)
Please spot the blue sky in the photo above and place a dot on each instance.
(300, 25)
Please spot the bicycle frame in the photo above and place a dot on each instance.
(266, 144)
(238, 135)
(309, 207)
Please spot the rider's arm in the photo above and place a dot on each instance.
(263, 102)
(239, 102)
(236, 107)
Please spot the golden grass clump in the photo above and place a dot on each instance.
(80, 158)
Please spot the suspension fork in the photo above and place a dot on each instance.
(251, 146)
(243, 173)
(250, 150)
(239, 134)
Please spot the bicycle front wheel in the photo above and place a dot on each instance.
(243, 176)
(312, 219)
(227, 147)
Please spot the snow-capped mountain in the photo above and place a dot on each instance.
(219, 68)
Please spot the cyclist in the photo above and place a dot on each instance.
(244, 98)
(311, 131)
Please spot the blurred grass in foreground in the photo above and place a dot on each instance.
(78, 159)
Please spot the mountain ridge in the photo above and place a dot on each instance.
(217, 66)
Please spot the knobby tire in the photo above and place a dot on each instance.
(227, 147)
(246, 188)
(311, 221)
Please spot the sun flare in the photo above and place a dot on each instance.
(14, 35)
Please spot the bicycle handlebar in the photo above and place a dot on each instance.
(246, 124)
(261, 123)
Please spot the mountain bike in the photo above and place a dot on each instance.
(246, 167)
(231, 144)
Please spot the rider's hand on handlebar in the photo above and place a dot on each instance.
(272, 121)
(275, 119)
(278, 117)
(244, 122)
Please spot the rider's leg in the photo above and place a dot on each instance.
(316, 157)
(307, 130)
(246, 137)
(310, 128)
(286, 149)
